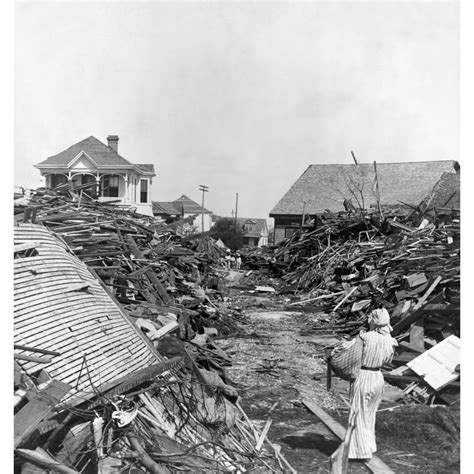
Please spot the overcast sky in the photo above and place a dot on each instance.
(241, 97)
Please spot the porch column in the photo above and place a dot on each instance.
(127, 190)
(97, 183)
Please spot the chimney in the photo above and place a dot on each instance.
(112, 142)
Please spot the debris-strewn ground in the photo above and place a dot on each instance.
(107, 295)
(278, 321)
(275, 365)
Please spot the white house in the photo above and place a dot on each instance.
(255, 230)
(102, 173)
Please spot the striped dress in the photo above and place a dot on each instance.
(366, 392)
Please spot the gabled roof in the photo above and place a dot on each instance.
(101, 155)
(189, 206)
(446, 192)
(258, 225)
(163, 207)
(326, 186)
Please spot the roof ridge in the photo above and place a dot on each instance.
(382, 163)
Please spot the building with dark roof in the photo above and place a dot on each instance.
(166, 210)
(100, 171)
(181, 208)
(333, 187)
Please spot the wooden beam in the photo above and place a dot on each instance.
(26, 246)
(28, 358)
(406, 321)
(413, 378)
(37, 409)
(36, 349)
(156, 283)
(40, 457)
(263, 435)
(375, 464)
(417, 335)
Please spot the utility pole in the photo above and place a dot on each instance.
(204, 189)
(236, 204)
(354, 157)
(377, 191)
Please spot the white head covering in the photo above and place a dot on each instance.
(380, 320)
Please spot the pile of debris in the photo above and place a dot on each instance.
(115, 362)
(354, 263)
(141, 261)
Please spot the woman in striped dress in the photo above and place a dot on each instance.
(366, 390)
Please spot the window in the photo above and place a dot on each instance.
(143, 190)
(110, 186)
(57, 179)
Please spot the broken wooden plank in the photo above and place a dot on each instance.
(37, 409)
(417, 334)
(406, 321)
(78, 286)
(28, 358)
(344, 299)
(437, 365)
(430, 290)
(41, 458)
(317, 298)
(415, 279)
(412, 378)
(157, 285)
(263, 435)
(375, 464)
(36, 349)
(340, 458)
(26, 246)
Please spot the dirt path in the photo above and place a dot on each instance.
(275, 361)
(275, 368)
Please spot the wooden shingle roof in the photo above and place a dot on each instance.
(446, 192)
(323, 187)
(189, 206)
(164, 207)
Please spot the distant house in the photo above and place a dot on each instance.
(183, 207)
(337, 187)
(255, 231)
(166, 211)
(102, 173)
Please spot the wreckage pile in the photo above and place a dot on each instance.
(115, 365)
(141, 261)
(408, 262)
